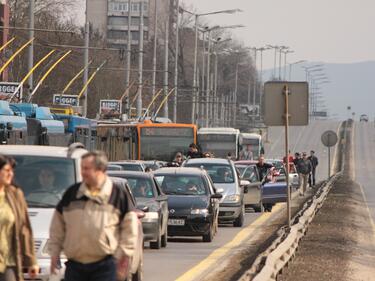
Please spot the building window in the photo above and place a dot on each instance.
(135, 21)
(117, 7)
(116, 34)
(135, 7)
(119, 21)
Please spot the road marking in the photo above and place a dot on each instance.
(360, 185)
(212, 259)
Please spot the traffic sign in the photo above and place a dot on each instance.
(7, 90)
(329, 138)
(66, 99)
(110, 107)
(274, 103)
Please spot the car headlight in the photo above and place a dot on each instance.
(199, 212)
(233, 198)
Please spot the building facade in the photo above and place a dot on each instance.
(111, 19)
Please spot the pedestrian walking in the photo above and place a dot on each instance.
(16, 238)
(263, 167)
(303, 169)
(314, 163)
(94, 225)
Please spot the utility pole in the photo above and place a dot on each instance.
(255, 77)
(208, 78)
(30, 62)
(128, 56)
(86, 59)
(140, 62)
(176, 64)
(215, 113)
(195, 72)
(166, 53)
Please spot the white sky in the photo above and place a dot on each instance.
(338, 31)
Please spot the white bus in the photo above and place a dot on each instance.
(251, 146)
(220, 141)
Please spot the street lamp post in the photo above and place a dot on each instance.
(176, 65)
(286, 52)
(231, 11)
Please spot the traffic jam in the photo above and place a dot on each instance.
(183, 182)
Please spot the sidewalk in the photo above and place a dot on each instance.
(339, 244)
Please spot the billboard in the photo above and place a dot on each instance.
(66, 99)
(7, 89)
(110, 107)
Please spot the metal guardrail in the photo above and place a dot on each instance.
(270, 263)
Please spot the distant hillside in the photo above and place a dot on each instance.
(351, 84)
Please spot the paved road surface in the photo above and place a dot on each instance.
(364, 155)
(304, 138)
(183, 254)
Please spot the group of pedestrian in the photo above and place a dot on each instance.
(306, 169)
(94, 224)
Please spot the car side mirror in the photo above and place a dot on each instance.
(217, 196)
(244, 183)
(145, 209)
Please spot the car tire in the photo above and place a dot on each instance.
(240, 219)
(258, 208)
(208, 237)
(164, 238)
(156, 244)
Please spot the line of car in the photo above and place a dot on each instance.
(186, 201)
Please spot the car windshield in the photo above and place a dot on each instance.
(44, 179)
(219, 173)
(140, 187)
(250, 174)
(182, 184)
(241, 168)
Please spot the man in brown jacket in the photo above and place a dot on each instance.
(94, 225)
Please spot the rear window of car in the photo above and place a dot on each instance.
(219, 173)
(182, 184)
(44, 179)
(140, 187)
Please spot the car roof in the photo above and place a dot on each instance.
(129, 173)
(126, 162)
(208, 161)
(180, 171)
(38, 150)
(246, 162)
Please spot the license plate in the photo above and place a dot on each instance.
(176, 222)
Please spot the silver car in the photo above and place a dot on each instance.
(153, 202)
(44, 173)
(226, 180)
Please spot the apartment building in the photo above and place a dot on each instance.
(111, 18)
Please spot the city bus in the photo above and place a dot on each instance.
(251, 146)
(145, 140)
(220, 141)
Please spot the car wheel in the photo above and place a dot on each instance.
(208, 237)
(156, 244)
(258, 208)
(164, 238)
(239, 221)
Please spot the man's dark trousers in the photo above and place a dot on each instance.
(312, 177)
(104, 270)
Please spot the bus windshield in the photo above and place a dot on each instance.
(250, 148)
(218, 144)
(162, 143)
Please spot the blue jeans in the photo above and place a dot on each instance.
(104, 270)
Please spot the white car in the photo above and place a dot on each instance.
(37, 167)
